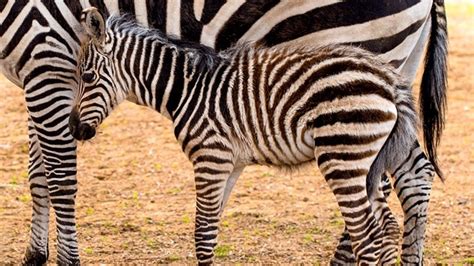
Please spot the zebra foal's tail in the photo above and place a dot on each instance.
(397, 146)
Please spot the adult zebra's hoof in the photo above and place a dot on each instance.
(34, 258)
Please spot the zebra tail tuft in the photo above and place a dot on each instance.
(397, 146)
(434, 84)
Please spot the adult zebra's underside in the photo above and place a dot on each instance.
(39, 41)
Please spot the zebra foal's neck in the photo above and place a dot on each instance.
(159, 69)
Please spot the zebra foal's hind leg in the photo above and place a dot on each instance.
(344, 254)
(390, 227)
(348, 183)
(413, 180)
(37, 252)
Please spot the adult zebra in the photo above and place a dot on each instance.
(39, 41)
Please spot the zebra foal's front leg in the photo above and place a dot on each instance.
(213, 172)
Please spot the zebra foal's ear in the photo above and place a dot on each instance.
(93, 21)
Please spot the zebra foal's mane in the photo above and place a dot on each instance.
(204, 57)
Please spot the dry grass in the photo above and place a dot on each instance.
(136, 192)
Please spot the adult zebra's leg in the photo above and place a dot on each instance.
(60, 162)
(37, 252)
(344, 254)
(212, 174)
(413, 180)
(48, 99)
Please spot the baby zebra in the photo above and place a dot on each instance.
(337, 105)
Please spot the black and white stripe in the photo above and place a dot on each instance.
(39, 41)
(254, 105)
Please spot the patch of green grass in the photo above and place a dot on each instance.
(158, 167)
(291, 229)
(246, 233)
(151, 243)
(186, 219)
(124, 204)
(318, 231)
(89, 211)
(267, 174)
(134, 163)
(24, 148)
(13, 180)
(109, 224)
(307, 238)
(251, 258)
(260, 232)
(173, 257)
(135, 196)
(336, 219)
(225, 223)
(469, 261)
(25, 198)
(222, 251)
(174, 191)
(88, 251)
(338, 222)
(24, 175)
(104, 125)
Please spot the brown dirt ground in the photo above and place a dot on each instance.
(136, 194)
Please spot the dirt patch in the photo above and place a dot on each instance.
(136, 192)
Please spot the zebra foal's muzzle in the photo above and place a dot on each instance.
(80, 131)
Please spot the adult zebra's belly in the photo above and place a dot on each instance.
(7, 70)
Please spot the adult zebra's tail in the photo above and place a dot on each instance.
(397, 146)
(434, 84)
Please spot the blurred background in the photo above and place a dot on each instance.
(136, 191)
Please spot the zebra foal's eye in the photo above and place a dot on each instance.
(88, 77)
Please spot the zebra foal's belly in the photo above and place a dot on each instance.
(282, 149)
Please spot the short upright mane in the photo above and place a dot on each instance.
(204, 56)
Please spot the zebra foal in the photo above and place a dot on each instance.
(254, 105)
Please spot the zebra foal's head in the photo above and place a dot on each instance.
(98, 91)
